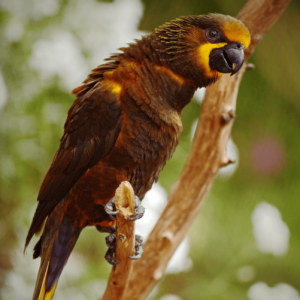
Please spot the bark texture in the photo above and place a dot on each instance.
(125, 241)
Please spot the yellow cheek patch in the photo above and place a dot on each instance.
(170, 73)
(203, 58)
(237, 32)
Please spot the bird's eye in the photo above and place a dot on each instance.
(212, 33)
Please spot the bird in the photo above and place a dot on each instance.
(123, 126)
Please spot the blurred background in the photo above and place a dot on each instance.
(243, 244)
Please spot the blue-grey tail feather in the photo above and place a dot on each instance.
(62, 248)
(55, 246)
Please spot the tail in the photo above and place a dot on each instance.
(54, 247)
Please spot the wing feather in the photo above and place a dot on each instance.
(90, 133)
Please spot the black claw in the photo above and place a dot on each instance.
(110, 208)
(139, 241)
(139, 209)
(109, 256)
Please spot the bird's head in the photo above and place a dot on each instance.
(203, 47)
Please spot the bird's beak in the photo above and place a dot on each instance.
(228, 59)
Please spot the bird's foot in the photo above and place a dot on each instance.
(110, 209)
(139, 209)
(110, 255)
(139, 241)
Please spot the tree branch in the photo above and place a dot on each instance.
(125, 242)
(207, 155)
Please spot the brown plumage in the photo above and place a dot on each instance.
(125, 125)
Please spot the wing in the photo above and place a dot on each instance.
(90, 133)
